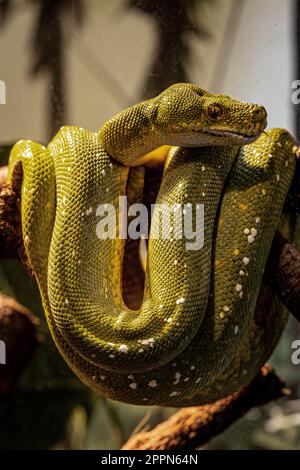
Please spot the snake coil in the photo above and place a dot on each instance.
(206, 324)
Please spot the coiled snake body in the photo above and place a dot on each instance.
(197, 335)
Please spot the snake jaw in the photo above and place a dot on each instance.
(231, 137)
(196, 135)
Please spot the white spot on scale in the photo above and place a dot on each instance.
(222, 315)
(238, 288)
(173, 394)
(246, 231)
(152, 383)
(251, 239)
(257, 220)
(146, 342)
(180, 301)
(111, 356)
(246, 260)
(177, 376)
(66, 302)
(123, 348)
(236, 329)
(133, 385)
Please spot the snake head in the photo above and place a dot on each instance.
(189, 116)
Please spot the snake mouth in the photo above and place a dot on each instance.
(232, 136)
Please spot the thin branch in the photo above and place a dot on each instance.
(192, 427)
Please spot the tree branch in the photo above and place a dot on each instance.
(18, 333)
(192, 427)
(282, 273)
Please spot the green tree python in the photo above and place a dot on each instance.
(196, 337)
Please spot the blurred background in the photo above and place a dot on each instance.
(81, 61)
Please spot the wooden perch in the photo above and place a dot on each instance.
(18, 333)
(192, 427)
(10, 219)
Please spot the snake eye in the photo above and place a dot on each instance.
(215, 111)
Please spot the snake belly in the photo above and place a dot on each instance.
(198, 335)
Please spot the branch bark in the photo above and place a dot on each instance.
(192, 427)
(3, 174)
(18, 333)
(282, 273)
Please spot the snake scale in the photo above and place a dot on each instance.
(197, 335)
